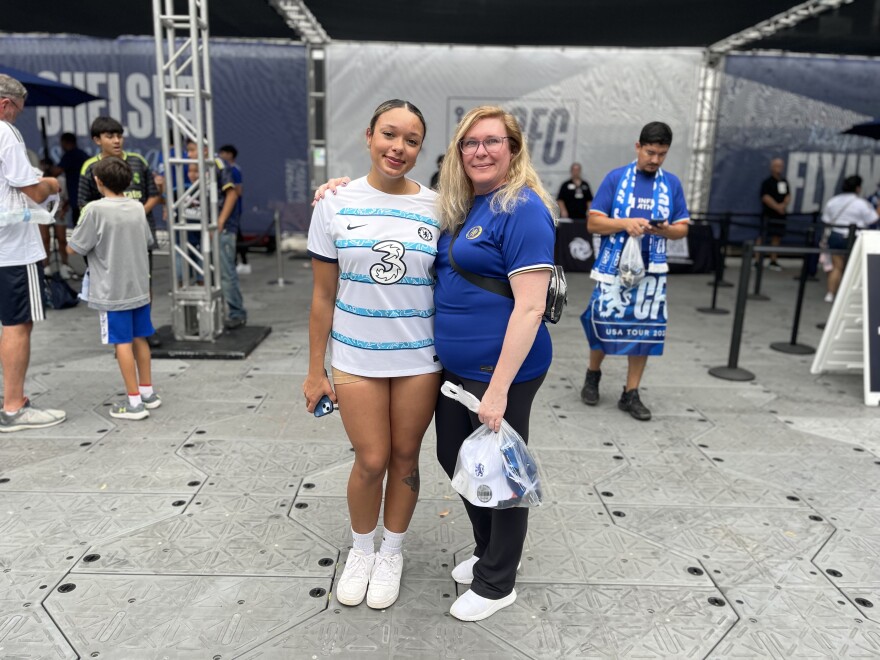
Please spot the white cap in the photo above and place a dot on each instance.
(480, 476)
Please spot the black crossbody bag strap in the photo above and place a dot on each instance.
(491, 284)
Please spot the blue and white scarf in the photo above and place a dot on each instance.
(605, 269)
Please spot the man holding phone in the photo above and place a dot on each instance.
(639, 201)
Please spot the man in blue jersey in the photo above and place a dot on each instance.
(640, 202)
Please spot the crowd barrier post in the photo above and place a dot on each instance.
(792, 347)
(719, 274)
(732, 371)
(279, 260)
(759, 265)
(723, 243)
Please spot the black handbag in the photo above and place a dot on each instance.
(59, 294)
(557, 290)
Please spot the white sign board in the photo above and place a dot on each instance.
(851, 339)
(574, 104)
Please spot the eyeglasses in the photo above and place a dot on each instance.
(18, 107)
(492, 145)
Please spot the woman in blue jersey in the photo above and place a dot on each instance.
(498, 222)
(373, 246)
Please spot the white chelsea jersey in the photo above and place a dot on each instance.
(385, 245)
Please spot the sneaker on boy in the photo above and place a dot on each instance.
(152, 401)
(125, 410)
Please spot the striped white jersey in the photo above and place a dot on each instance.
(383, 324)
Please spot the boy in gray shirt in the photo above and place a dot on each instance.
(114, 235)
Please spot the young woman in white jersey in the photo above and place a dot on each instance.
(373, 247)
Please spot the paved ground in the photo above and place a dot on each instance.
(741, 523)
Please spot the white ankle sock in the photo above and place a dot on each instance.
(145, 390)
(364, 542)
(134, 400)
(392, 542)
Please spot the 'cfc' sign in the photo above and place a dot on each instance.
(549, 125)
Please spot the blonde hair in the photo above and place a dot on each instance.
(457, 190)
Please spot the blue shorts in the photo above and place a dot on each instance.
(122, 327)
(837, 241)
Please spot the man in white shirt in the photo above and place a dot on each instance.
(21, 251)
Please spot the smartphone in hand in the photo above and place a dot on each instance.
(325, 406)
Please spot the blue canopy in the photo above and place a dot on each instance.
(42, 91)
(869, 129)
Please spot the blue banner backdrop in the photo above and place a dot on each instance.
(792, 107)
(260, 106)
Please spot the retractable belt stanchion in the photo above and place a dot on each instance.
(723, 243)
(759, 266)
(716, 281)
(731, 371)
(792, 347)
(279, 281)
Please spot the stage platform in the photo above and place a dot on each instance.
(743, 521)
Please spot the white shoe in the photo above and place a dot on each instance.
(66, 272)
(385, 580)
(829, 297)
(471, 607)
(243, 269)
(28, 417)
(352, 586)
(47, 271)
(464, 572)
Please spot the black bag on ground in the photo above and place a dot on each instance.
(59, 294)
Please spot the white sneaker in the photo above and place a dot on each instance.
(829, 297)
(385, 580)
(352, 586)
(464, 572)
(28, 417)
(47, 271)
(243, 269)
(66, 272)
(471, 607)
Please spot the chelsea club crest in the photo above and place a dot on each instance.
(474, 232)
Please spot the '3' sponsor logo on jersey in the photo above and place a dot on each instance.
(392, 268)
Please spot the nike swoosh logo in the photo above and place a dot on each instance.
(355, 226)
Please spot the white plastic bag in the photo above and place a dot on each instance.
(84, 290)
(631, 270)
(494, 470)
(17, 207)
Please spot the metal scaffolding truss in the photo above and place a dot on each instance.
(302, 20)
(771, 26)
(298, 16)
(184, 88)
(700, 180)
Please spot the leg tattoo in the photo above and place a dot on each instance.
(413, 480)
